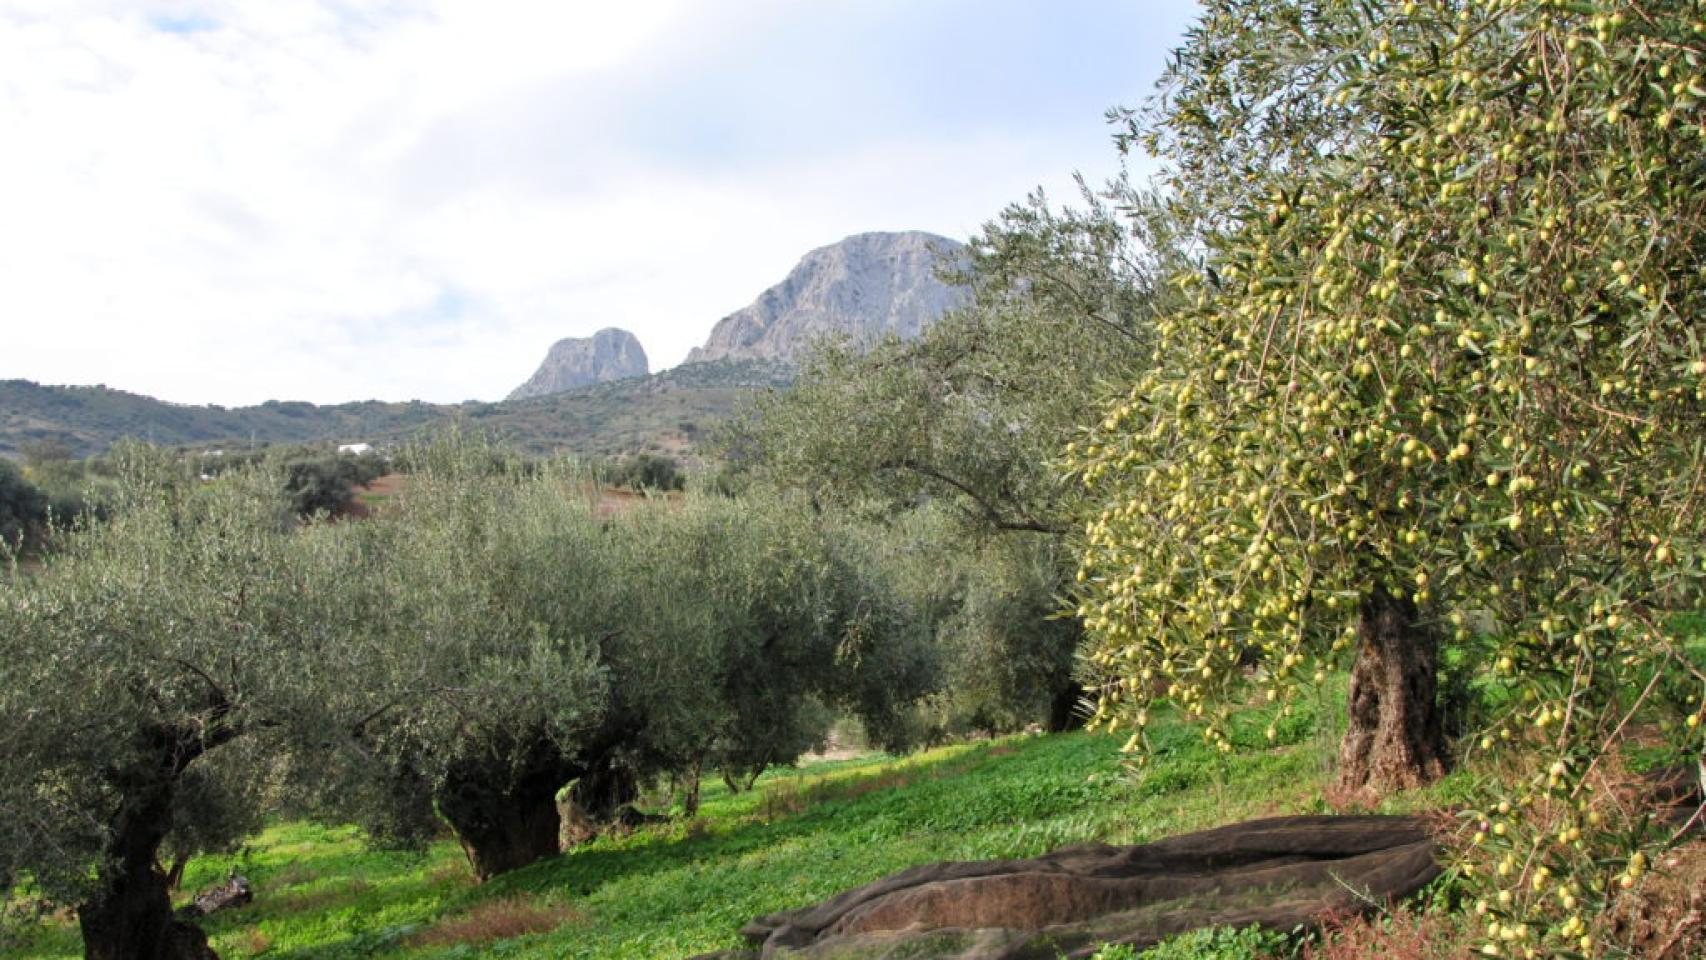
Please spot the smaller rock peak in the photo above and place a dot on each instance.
(609, 354)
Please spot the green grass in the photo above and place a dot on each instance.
(801, 836)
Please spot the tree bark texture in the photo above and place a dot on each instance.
(131, 917)
(1064, 712)
(1395, 739)
(604, 789)
(507, 819)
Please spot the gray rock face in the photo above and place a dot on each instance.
(866, 287)
(609, 354)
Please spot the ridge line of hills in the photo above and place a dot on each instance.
(664, 412)
(592, 396)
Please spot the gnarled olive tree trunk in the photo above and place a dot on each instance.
(1065, 709)
(507, 818)
(1395, 740)
(131, 918)
(604, 789)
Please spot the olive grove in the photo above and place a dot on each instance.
(204, 658)
(150, 655)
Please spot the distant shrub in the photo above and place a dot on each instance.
(647, 471)
(22, 505)
(327, 482)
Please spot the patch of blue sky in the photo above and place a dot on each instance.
(183, 24)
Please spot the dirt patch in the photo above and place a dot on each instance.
(253, 942)
(1664, 917)
(609, 500)
(1398, 935)
(499, 919)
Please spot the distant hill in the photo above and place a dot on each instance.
(668, 411)
(591, 396)
(609, 354)
(866, 287)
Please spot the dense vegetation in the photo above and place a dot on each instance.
(1379, 421)
(1440, 393)
(488, 638)
(22, 504)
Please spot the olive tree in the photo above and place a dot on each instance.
(542, 644)
(796, 615)
(149, 666)
(1441, 381)
(486, 591)
(968, 415)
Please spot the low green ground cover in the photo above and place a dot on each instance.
(798, 837)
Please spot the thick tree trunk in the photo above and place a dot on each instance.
(1063, 712)
(506, 820)
(601, 792)
(131, 918)
(1395, 739)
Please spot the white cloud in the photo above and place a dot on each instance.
(229, 202)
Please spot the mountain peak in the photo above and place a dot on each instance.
(609, 354)
(864, 287)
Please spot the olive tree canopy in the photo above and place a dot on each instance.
(1442, 381)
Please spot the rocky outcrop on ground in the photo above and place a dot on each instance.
(609, 354)
(866, 287)
(1279, 873)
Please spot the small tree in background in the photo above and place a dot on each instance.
(645, 471)
(326, 482)
(1441, 382)
(22, 504)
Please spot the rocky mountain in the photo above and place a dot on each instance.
(609, 354)
(868, 286)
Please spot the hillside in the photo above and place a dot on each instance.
(665, 411)
(669, 891)
(668, 411)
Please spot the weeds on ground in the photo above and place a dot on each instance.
(1213, 943)
(500, 919)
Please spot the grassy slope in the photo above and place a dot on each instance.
(802, 836)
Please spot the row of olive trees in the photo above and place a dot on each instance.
(203, 657)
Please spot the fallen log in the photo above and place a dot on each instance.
(234, 892)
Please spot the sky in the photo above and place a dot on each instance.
(231, 201)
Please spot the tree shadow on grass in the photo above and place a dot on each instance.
(807, 827)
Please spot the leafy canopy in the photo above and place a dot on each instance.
(1445, 344)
